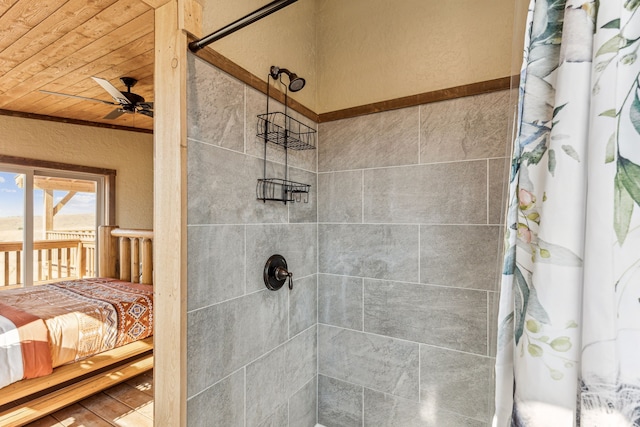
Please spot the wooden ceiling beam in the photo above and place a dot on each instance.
(58, 184)
(71, 121)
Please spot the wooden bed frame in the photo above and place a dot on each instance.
(125, 254)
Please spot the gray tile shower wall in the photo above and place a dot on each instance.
(409, 235)
(391, 321)
(252, 352)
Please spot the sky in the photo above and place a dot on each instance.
(11, 199)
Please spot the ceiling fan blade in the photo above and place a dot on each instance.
(115, 93)
(146, 105)
(114, 114)
(146, 112)
(78, 97)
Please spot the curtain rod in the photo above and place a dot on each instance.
(254, 16)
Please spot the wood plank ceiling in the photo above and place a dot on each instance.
(57, 45)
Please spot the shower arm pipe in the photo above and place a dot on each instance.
(252, 17)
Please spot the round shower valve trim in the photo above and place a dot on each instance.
(276, 273)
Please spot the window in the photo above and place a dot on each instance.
(49, 215)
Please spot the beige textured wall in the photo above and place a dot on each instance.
(129, 153)
(363, 51)
(375, 50)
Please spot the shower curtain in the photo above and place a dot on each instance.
(569, 318)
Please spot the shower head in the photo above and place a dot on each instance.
(295, 83)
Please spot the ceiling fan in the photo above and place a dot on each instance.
(127, 102)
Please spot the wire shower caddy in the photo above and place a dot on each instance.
(283, 130)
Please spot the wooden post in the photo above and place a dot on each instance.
(169, 217)
(81, 261)
(125, 259)
(135, 260)
(48, 211)
(108, 251)
(18, 268)
(147, 260)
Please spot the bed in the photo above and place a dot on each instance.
(64, 341)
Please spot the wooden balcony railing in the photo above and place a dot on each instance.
(52, 260)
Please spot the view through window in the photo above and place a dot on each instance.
(48, 224)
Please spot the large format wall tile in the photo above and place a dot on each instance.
(456, 382)
(448, 193)
(498, 189)
(465, 128)
(303, 304)
(447, 317)
(227, 336)
(279, 418)
(257, 104)
(215, 102)
(375, 140)
(221, 187)
(493, 307)
(266, 386)
(275, 377)
(301, 358)
(464, 256)
(340, 301)
(223, 402)
(380, 251)
(301, 211)
(383, 410)
(303, 405)
(340, 197)
(295, 242)
(339, 403)
(235, 326)
(214, 275)
(373, 361)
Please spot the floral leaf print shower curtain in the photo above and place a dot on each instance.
(569, 332)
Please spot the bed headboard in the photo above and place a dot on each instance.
(125, 254)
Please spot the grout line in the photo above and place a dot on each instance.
(362, 400)
(419, 253)
(488, 193)
(253, 156)
(245, 260)
(246, 121)
(406, 341)
(244, 368)
(408, 165)
(362, 288)
(406, 282)
(419, 136)
(362, 199)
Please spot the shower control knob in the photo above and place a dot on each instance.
(276, 273)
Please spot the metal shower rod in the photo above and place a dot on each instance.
(254, 16)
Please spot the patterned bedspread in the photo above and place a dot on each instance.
(45, 326)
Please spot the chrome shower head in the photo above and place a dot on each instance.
(295, 83)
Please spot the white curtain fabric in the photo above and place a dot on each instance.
(569, 320)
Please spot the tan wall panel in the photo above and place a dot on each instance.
(375, 50)
(359, 52)
(129, 153)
